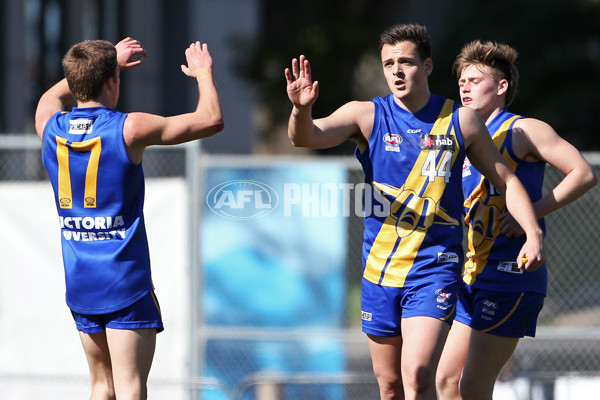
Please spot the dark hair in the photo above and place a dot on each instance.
(408, 32)
(498, 57)
(87, 67)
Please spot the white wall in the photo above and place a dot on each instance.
(37, 332)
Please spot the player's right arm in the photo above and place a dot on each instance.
(58, 96)
(52, 101)
(354, 120)
(142, 130)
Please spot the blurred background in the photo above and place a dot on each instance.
(266, 306)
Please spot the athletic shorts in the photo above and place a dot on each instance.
(383, 307)
(511, 314)
(144, 313)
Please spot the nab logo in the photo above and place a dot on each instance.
(437, 142)
(242, 199)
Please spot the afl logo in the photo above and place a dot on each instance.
(442, 295)
(490, 304)
(242, 199)
(392, 139)
(466, 165)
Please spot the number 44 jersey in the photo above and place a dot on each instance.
(413, 165)
(99, 196)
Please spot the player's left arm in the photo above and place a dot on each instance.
(141, 130)
(535, 140)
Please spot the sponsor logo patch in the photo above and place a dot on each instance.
(366, 316)
(510, 267)
(437, 142)
(442, 295)
(466, 169)
(490, 304)
(448, 257)
(442, 298)
(489, 308)
(80, 126)
(392, 142)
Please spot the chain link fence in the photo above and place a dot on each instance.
(568, 341)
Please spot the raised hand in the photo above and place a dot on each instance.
(301, 90)
(199, 61)
(129, 53)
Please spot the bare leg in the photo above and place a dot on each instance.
(424, 339)
(487, 355)
(452, 362)
(131, 352)
(385, 355)
(96, 351)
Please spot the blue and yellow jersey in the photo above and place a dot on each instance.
(413, 196)
(491, 257)
(99, 196)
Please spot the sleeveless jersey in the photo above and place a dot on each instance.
(99, 196)
(413, 197)
(491, 257)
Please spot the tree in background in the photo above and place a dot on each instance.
(338, 37)
(558, 42)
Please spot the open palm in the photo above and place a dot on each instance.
(301, 90)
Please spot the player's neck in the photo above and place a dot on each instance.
(415, 102)
(91, 103)
(490, 115)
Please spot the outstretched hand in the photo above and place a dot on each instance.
(301, 90)
(129, 53)
(199, 61)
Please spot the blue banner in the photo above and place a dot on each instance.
(273, 253)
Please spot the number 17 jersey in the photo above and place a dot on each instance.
(99, 196)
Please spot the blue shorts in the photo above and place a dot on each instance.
(511, 314)
(144, 313)
(383, 307)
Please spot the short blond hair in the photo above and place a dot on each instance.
(500, 58)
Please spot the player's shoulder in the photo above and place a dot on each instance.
(470, 121)
(356, 110)
(531, 123)
(467, 112)
(361, 104)
(532, 127)
(140, 122)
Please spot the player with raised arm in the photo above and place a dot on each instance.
(499, 302)
(411, 144)
(93, 155)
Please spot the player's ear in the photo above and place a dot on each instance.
(111, 82)
(502, 87)
(428, 66)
